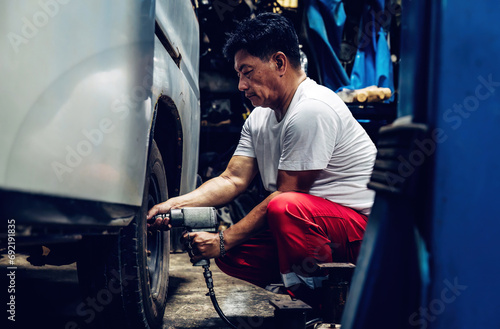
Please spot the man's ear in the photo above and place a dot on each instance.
(281, 62)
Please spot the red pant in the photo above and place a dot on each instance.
(303, 230)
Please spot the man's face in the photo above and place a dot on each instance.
(257, 78)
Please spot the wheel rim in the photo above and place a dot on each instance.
(155, 242)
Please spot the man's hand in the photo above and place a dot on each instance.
(160, 208)
(204, 245)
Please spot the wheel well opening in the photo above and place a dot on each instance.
(168, 136)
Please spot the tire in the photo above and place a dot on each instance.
(127, 285)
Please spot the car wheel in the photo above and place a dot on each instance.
(125, 278)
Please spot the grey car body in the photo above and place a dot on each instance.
(80, 83)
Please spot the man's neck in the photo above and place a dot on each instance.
(290, 87)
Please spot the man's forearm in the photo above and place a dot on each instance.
(248, 226)
(215, 192)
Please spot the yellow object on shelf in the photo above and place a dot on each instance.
(369, 94)
(289, 3)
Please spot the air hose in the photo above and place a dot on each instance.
(210, 285)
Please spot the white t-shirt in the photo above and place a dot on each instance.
(318, 132)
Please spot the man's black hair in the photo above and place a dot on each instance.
(263, 36)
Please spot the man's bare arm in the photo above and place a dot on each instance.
(255, 221)
(218, 191)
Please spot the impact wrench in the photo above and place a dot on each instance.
(197, 219)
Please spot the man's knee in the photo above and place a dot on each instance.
(279, 204)
(279, 208)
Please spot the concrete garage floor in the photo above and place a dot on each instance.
(48, 297)
(246, 305)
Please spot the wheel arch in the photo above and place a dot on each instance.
(168, 134)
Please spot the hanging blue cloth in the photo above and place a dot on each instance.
(326, 20)
(358, 71)
(383, 65)
(334, 17)
(372, 65)
(364, 71)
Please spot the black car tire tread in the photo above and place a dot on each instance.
(119, 263)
